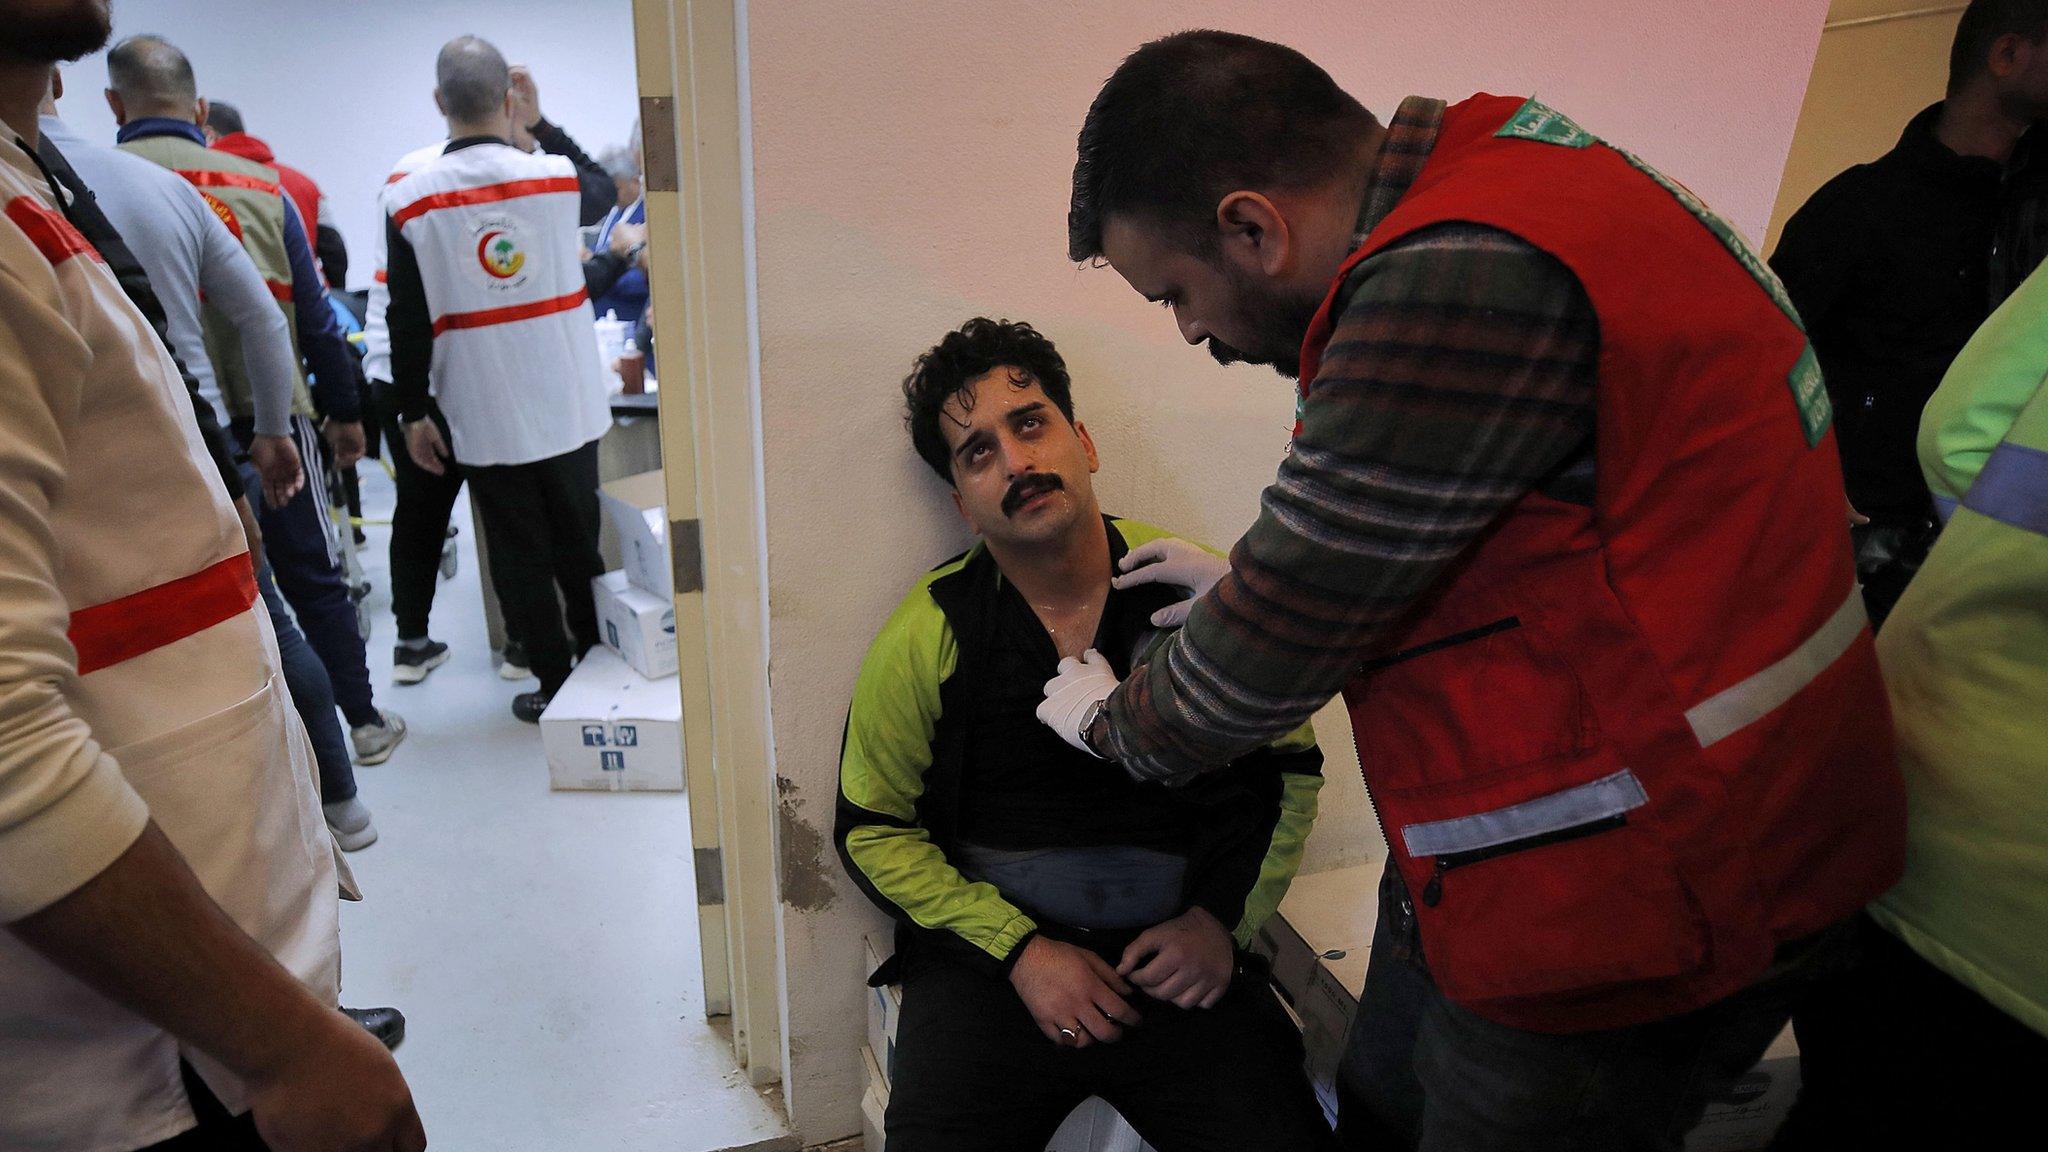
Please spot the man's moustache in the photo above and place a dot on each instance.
(1029, 486)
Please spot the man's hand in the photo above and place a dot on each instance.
(1074, 995)
(277, 462)
(625, 236)
(345, 438)
(525, 99)
(423, 441)
(1171, 561)
(338, 1091)
(1187, 961)
(1857, 519)
(250, 531)
(1072, 694)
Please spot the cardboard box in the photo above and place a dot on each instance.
(1748, 1115)
(636, 624)
(885, 1005)
(874, 1103)
(610, 729)
(636, 507)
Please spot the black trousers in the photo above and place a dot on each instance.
(974, 1074)
(419, 522)
(1897, 1053)
(542, 520)
(1421, 1072)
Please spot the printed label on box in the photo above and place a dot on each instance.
(628, 736)
(612, 761)
(593, 736)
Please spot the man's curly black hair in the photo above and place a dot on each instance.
(979, 346)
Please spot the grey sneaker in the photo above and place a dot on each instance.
(374, 742)
(349, 820)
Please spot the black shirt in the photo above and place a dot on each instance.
(1893, 265)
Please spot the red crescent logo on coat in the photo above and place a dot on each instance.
(226, 214)
(500, 257)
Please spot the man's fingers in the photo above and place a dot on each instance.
(1135, 954)
(1175, 986)
(1149, 552)
(1173, 615)
(1106, 974)
(1163, 965)
(1215, 995)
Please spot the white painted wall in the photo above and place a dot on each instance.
(340, 89)
(911, 170)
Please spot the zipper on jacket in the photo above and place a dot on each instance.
(1504, 624)
(1433, 892)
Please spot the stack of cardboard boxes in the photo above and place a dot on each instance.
(616, 725)
(1093, 1127)
(1319, 945)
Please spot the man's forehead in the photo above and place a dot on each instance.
(988, 398)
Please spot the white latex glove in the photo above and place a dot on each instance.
(1069, 695)
(1170, 560)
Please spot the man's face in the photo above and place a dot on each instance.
(1020, 469)
(47, 31)
(1236, 312)
(2022, 76)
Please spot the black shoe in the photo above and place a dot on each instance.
(411, 665)
(386, 1024)
(529, 705)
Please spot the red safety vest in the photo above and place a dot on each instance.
(1626, 750)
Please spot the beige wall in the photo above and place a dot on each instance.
(1868, 80)
(911, 164)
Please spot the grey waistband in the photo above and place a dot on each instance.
(1098, 888)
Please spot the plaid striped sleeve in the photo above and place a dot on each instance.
(1460, 376)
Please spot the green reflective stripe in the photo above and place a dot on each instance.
(1538, 121)
(1543, 124)
(1299, 797)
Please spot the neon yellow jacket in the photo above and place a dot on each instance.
(1965, 656)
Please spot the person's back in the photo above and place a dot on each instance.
(514, 364)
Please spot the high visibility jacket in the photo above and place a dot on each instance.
(515, 365)
(1965, 656)
(249, 200)
(1628, 748)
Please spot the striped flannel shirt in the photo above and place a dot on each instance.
(1458, 379)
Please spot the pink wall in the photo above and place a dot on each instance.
(911, 170)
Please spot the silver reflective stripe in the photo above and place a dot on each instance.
(1605, 797)
(1738, 706)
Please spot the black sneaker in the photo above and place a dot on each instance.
(410, 665)
(529, 705)
(386, 1024)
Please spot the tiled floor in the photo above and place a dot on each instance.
(543, 945)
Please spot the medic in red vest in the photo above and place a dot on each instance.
(1618, 709)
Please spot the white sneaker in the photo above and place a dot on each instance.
(514, 665)
(374, 742)
(349, 820)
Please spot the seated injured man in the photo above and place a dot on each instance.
(1062, 932)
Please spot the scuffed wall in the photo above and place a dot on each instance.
(911, 170)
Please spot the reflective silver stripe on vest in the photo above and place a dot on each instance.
(2012, 488)
(1605, 797)
(1740, 705)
